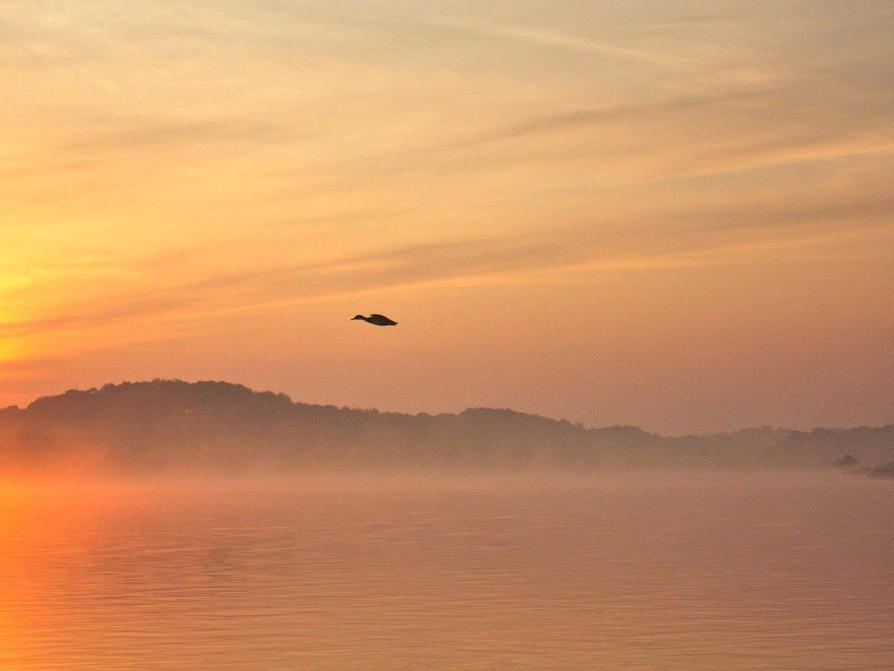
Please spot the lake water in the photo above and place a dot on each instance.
(628, 572)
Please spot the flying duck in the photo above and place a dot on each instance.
(378, 320)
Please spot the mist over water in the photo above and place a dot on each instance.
(172, 426)
(410, 571)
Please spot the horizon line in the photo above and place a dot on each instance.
(435, 414)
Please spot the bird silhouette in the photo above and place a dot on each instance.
(378, 320)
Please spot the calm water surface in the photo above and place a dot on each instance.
(611, 573)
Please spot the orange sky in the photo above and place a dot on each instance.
(675, 215)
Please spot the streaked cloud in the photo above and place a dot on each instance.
(174, 166)
(560, 40)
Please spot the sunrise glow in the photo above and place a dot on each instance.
(668, 219)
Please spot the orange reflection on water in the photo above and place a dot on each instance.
(694, 573)
(46, 528)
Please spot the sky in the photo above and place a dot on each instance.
(676, 215)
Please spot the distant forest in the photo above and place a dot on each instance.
(154, 426)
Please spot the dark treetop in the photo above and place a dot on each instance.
(149, 426)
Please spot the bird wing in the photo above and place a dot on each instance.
(375, 316)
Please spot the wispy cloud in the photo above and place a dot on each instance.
(792, 153)
(628, 113)
(566, 41)
(694, 238)
(152, 133)
(632, 115)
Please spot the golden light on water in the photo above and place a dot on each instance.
(539, 571)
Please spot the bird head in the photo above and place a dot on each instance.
(357, 317)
